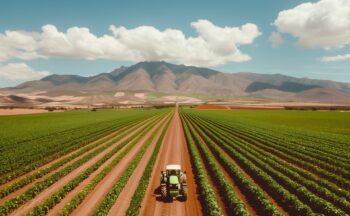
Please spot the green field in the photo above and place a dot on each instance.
(243, 162)
(323, 121)
(299, 159)
(28, 141)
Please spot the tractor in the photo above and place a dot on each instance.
(173, 183)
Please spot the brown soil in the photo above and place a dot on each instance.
(18, 111)
(238, 107)
(219, 198)
(23, 189)
(76, 190)
(238, 192)
(173, 151)
(212, 106)
(256, 107)
(96, 196)
(53, 188)
(242, 197)
(122, 204)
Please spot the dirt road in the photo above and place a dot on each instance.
(173, 151)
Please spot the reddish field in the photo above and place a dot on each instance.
(229, 107)
(18, 111)
(212, 106)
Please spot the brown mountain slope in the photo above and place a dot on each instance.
(324, 95)
(138, 80)
(174, 79)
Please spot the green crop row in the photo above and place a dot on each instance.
(232, 203)
(336, 144)
(289, 201)
(14, 203)
(78, 198)
(288, 146)
(139, 194)
(28, 142)
(334, 172)
(254, 194)
(294, 142)
(49, 203)
(42, 172)
(289, 171)
(206, 192)
(118, 186)
(270, 152)
(317, 203)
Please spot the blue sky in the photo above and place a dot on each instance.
(288, 58)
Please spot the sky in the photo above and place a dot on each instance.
(86, 37)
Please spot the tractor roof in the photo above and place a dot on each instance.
(173, 167)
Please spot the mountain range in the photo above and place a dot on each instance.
(174, 79)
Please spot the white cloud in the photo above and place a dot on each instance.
(276, 39)
(20, 71)
(324, 24)
(336, 58)
(214, 45)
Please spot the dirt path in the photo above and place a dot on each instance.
(173, 150)
(124, 199)
(56, 186)
(96, 196)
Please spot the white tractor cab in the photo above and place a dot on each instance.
(173, 182)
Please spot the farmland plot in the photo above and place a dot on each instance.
(237, 163)
(259, 167)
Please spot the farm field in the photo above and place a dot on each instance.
(270, 162)
(237, 162)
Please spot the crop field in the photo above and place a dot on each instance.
(270, 162)
(237, 162)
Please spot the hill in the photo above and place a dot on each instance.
(167, 78)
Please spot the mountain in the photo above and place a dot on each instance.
(174, 79)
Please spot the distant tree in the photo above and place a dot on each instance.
(50, 109)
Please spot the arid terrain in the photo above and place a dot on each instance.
(149, 83)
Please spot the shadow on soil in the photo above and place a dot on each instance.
(158, 195)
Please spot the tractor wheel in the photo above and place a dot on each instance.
(164, 191)
(184, 192)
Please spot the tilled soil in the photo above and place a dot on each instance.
(173, 151)
(101, 190)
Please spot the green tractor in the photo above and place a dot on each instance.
(173, 183)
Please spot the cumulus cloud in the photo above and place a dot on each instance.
(213, 45)
(276, 39)
(336, 58)
(323, 24)
(20, 71)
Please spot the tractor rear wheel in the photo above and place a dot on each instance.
(164, 191)
(184, 192)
